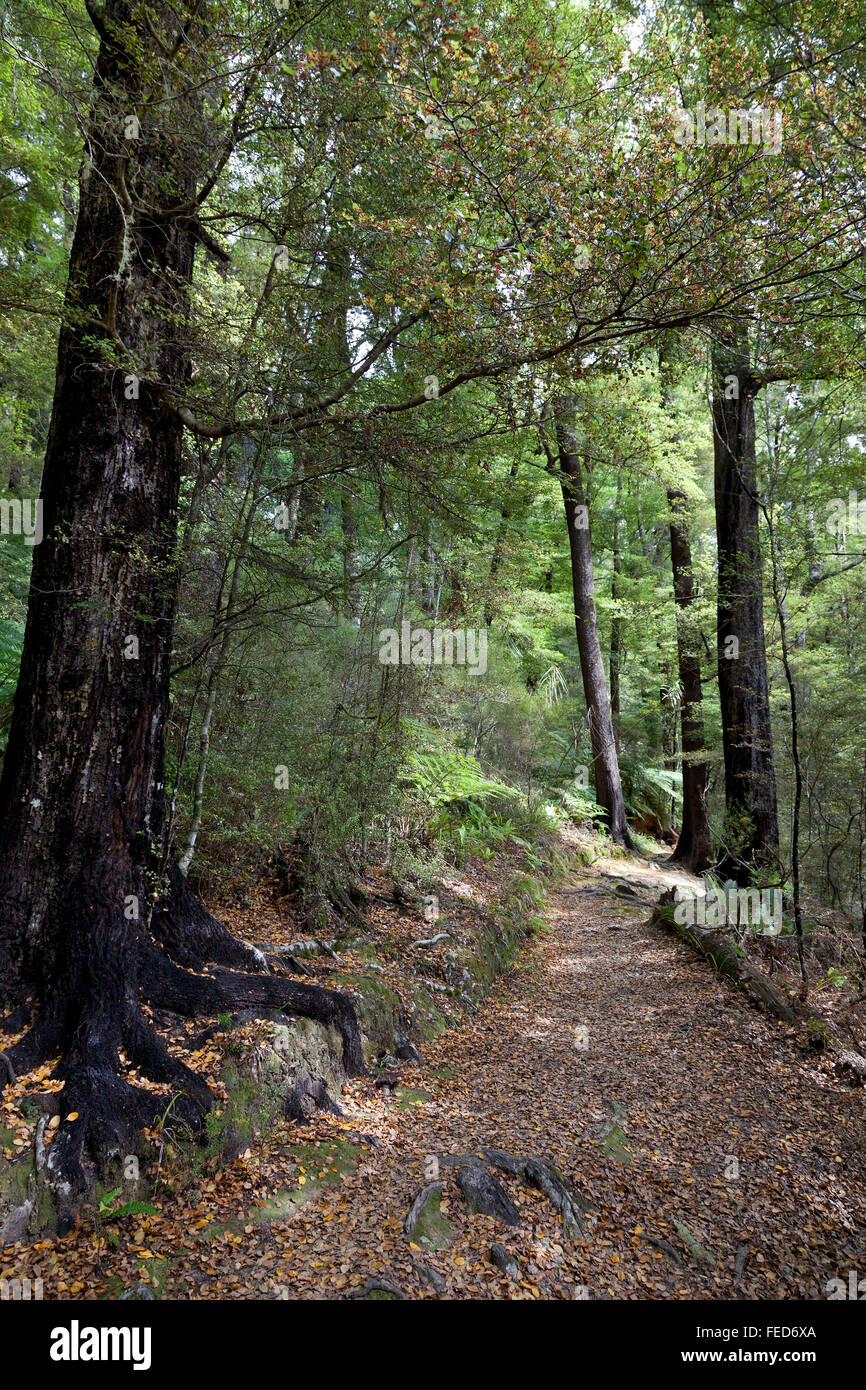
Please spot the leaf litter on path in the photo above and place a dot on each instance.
(712, 1160)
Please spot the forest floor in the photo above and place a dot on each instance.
(713, 1156)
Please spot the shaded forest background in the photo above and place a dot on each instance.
(461, 307)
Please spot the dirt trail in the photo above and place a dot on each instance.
(680, 1114)
(712, 1158)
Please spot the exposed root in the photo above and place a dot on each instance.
(306, 1097)
(109, 1115)
(146, 1050)
(42, 1042)
(93, 1011)
(535, 1173)
(190, 936)
(484, 1193)
(20, 1017)
(374, 1286)
(193, 995)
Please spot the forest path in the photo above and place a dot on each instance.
(675, 1086)
(711, 1155)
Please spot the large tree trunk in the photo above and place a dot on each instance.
(751, 822)
(608, 787)
(91, 924)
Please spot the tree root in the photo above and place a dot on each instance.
(190, 936)
(484, 1193)
(93, 1010)
(374, 1286)
(109, 1114)
(168, 987)
(535, 1173)
(306, 1097)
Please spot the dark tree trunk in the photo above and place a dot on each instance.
(751, 823)
(616, 620)
(499, 544)
(608, 787)
(694, 847)
(91, 925)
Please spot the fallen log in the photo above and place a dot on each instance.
(724, 955)
(850, 1063)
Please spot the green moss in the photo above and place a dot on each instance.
(433, 1231)
(365, 949)
(615, 1145)
(330, 1161)
(257, 1080)
(407, 1097)
(696, 1250)
(14, 1175)
(320, 1165)
(378, 1011)
(429, 1018)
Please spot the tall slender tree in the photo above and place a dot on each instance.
(694, 846)
(605, 763)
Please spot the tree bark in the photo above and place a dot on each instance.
(89, 924)
(751, 820)
(616, 619)
(608, 786)
(694, 847)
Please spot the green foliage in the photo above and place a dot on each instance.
(11, 643)
(446, 775)
(455, 256)
(110, 1210)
